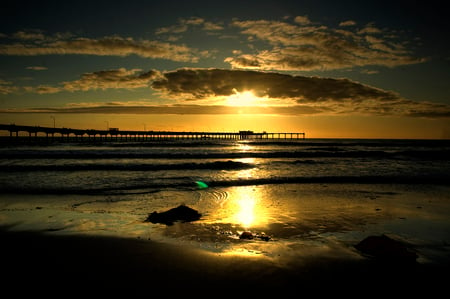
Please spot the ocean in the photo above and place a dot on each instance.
(138, 167)
(294, 191)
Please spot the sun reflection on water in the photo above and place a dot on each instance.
(250, 173)
(246, 205)
(245, 208)
(244, 147)
(246, 211)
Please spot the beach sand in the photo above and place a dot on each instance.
(188, 259)
(37, 263)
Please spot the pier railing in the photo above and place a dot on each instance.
(118, 135)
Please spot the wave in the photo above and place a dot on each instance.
(152, 187)
(216, 165)
(432, 154)
(6, 142)
(369, 179)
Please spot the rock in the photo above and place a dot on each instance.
(386, 248)
(181, 213)
(250, 236)
(263, 237)
(246, 235)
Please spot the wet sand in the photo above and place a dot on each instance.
(312, 251)
(40, 263)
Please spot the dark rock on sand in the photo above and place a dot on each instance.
(250, 236)
(386, 248)
(181, 213)
(246, 235)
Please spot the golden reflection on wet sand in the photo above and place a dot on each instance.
(299, 219)
(244, 207)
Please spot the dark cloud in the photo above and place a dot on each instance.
(203, 83)
(323, 95)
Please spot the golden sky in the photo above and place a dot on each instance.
(372, 71)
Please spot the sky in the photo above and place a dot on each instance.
(330, 69)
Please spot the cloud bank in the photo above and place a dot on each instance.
(203, 83)
(312, 94)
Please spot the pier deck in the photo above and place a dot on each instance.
(115, 134)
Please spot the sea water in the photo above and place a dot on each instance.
(291, 190)
(130, 167)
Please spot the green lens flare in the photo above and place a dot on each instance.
(201, 185)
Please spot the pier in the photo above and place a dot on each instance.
(114, 134)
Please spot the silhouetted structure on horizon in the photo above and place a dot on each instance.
(114, 134)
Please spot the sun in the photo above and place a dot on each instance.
(245, 98)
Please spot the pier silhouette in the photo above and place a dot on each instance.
(114, 134)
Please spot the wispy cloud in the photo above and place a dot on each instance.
(184, 25)
(33, 44)
(190, 109)
(7, 87)
(118, 78)
(307, 46)
(347, 23)
(101, 80)
(37, 68)
(297, 44)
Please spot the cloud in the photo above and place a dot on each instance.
(408, 109)
(33, 45)
(108, 79)
(321, 95)
(118, 78)
(127, 108)
(204, 83)
(347, 23)
(37, 68)
(302, 20)
(306, 46)
(29, 35)
(202, 91)
(44, 89)
(296, 44)
(7, 87)
(184, 24)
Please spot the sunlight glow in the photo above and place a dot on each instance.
(245, 98)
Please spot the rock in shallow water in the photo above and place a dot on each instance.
(181, 213)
